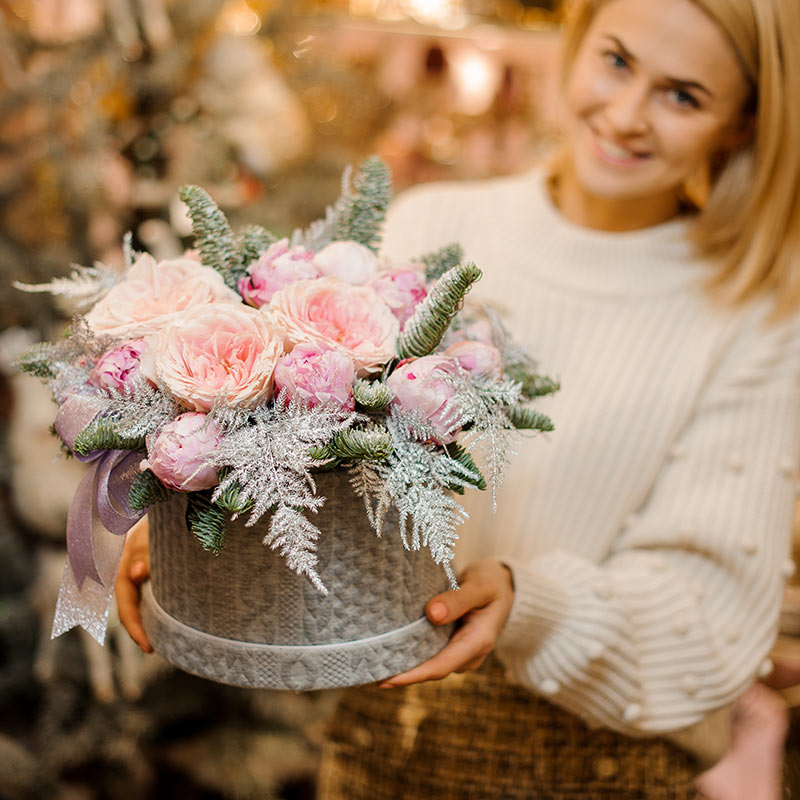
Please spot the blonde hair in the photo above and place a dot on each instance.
(748, 223)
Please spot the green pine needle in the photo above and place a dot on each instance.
(207, 521)
(213, 234)
(230, 500)
(442, 260)
(361, 215)
(35, 361)
(424, 330)
(253, 241)
(464, 457)
(372, 395)
(146, 490)
(528, 419)
(102, 436)
(371, 444)
(532, 385)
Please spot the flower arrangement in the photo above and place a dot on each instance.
(237, 372)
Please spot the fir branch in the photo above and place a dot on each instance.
(369, 443)
(440, 261)
(206, 521)
(230, 500)
(37, 360)
(464, 457)
(372, 396)
(424, 329)
(361, 214)
(146, 490)
(213, 234)
(532, 385)
(524, 418)
(253, 241)
(103, 435)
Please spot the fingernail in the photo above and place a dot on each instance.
(438, 612)
(386, 685)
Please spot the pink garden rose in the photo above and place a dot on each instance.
(118, 368)
(419, 385)
(277, 267)
(477, 357)
(350, 319)
(349, 261)
(317, 374)
(153, 293)
(215, 353)
(401, 289)
(178, 455)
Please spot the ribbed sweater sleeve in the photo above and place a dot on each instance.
(677, 620)
(649, 537)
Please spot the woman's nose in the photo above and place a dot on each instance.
(626, 109)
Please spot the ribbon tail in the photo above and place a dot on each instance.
(89, 606)
(95, 539)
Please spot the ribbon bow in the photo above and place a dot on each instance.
(99, 518)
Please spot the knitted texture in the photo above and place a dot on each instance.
(649, 537)
(244, 618)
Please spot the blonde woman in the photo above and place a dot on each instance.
(629, 584)
(628, 588)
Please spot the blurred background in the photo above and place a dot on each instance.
(106, 108)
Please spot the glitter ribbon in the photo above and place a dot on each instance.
(99, 518)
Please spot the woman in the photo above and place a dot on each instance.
(629, 585)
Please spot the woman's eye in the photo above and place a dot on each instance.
(614, 60)
(682, 98)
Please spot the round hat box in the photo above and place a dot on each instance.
(244, 618)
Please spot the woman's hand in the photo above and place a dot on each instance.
(134, 569)
(482, 605)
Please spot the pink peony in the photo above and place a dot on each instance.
(317, 374)
(349, 261)
(477, 357)
(351, 319)
(401, 289)
(215, 353)
(419, 385)
(153, 293)
(117, 369)
(178, 455)
(277, 267)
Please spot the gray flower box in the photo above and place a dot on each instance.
(244, 618)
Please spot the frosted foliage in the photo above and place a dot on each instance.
(417, 479)
(139, 411)
(267, 453)
(480, 405)
(84, 287)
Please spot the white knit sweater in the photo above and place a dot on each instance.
(649, 535)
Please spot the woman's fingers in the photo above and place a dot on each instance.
(134, 569)
(482, 604)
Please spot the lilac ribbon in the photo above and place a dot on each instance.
(100, 507)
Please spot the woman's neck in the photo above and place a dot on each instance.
(604, 214)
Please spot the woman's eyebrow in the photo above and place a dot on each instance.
(682, 83)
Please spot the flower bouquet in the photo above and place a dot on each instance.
(274, 404)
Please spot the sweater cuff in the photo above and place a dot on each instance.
(540, 605)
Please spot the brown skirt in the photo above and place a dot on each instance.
(475, 737)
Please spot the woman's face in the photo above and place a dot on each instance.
(655, 91)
